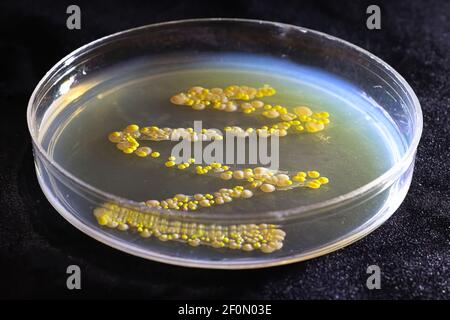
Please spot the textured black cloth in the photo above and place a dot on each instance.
(411, 248)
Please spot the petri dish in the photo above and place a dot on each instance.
(341, 169)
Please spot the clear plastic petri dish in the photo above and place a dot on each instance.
(366, 151)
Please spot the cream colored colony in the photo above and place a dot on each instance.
(266, 238)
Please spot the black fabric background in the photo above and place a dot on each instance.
(412, 248)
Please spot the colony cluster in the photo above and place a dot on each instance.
(234, 98)
(247, 237)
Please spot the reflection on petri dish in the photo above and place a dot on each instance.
(107, 155)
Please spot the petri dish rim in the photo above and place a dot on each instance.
(387, 177)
